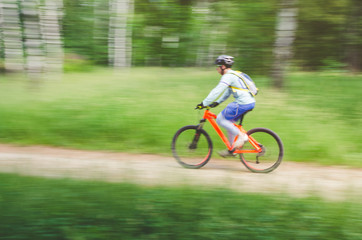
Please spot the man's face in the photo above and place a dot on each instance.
(220, 68)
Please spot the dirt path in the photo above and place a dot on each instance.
(298, 179)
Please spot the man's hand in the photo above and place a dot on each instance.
(214, 104)
(200, 106)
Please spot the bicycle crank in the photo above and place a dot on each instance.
(260, 154)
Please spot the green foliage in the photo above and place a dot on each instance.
(162, 33)
(177, 33)
(140, 109)
(187, 32)
(2, 66)
(250, 33)
(35, 208)
(77, 63)
(85, 25)
(329, 30)
(184, 33)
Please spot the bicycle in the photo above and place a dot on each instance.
(192, 146)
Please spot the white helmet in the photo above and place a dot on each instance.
(224, 60)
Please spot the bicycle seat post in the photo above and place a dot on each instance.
(241, 120)
(242, 117)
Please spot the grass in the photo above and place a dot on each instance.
(36, 208)
(317, 116)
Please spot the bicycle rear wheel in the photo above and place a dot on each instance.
(192, 147)
(271, 155)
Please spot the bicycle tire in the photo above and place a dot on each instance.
(192, 147)
(271, 156)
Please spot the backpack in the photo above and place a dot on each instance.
(249, 83)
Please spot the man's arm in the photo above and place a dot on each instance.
(216, 92)
(224, 96)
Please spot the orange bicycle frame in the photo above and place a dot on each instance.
(211, 118)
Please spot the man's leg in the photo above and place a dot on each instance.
(233, 131)
(229, 126)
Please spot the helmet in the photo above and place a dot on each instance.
(224, 60)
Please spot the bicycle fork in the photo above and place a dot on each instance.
(196, 138)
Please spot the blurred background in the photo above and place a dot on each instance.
(59, 87)
(52, 35)
(305, 57)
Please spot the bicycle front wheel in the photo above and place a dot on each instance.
(271, 155)
(192, 147)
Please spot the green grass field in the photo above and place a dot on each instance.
(317, 115)
(36, 208)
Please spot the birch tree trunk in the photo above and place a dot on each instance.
(202, 11)
(285, 34)
(120, 36)
(33, 39)
(12, 36)
(51, 30)
(1, 35)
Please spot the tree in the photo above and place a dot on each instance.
(285, 34)
(321, 38)
(354, 35)
(12, 36)
(202, 15)
(120, 37)
(32, 38)
(1, 35)
(99, 45)
(51, 31)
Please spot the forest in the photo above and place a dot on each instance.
(122, 76)
(266, 37)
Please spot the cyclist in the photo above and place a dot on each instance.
(244, 101)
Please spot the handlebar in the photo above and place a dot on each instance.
(200, 108)
(212, 105)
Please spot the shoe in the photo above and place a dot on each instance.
(226, 153)
(243, 138)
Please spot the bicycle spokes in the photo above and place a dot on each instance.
(270, 154)
(195, 140)
(192, 147)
